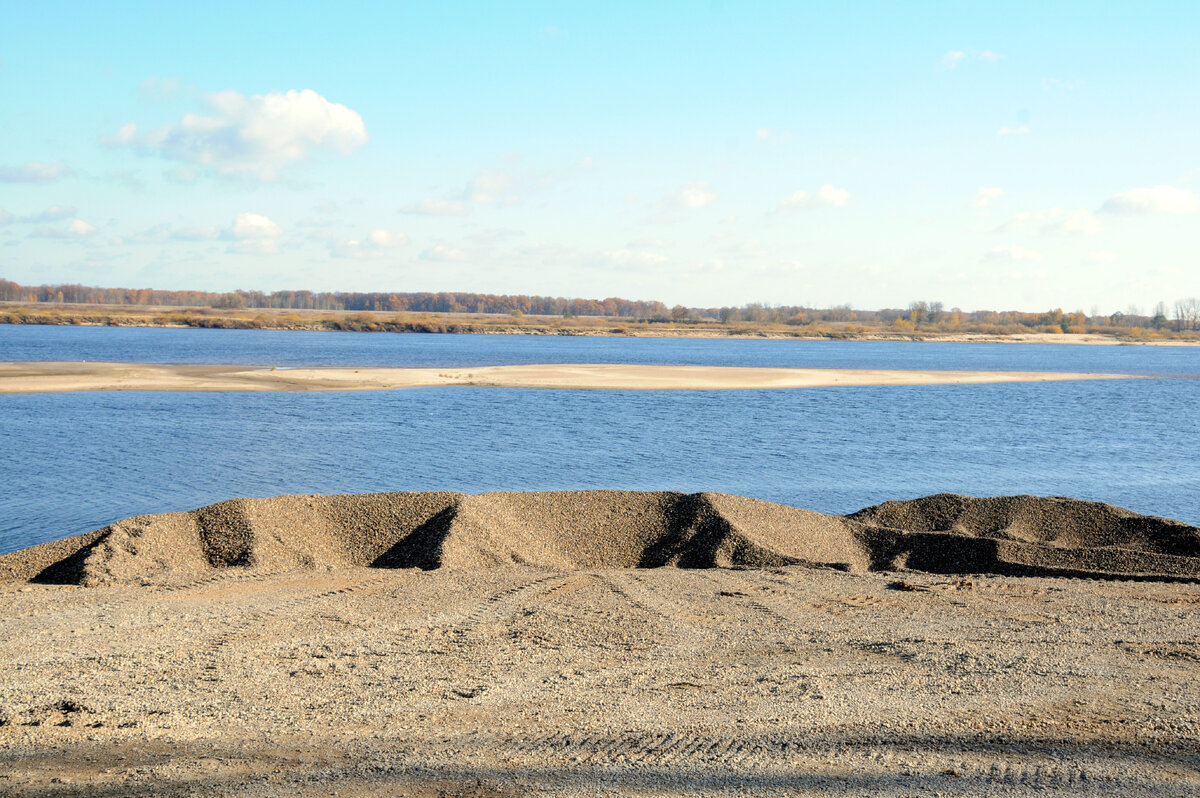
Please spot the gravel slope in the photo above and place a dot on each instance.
(1020, 535)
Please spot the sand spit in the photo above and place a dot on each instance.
(57, 377)
(579, 530)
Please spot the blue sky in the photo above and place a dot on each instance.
(1017, 156)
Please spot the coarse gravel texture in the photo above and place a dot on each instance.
(518, 680)
(436, 644)
(946, 533)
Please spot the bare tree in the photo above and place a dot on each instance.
(1187, 314)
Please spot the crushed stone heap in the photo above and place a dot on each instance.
(946, 533)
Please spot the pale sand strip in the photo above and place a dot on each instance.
(64, 377)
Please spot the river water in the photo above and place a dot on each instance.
(74, 462)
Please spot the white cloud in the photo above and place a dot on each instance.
(248, 226)
(1053, 222)
(985, 196)
(1159, 199)
(441, 252)
(437, 207)
(382, 238)
(252, 234)
(491, 187)
(746, 248)
(76, 229)
(155, 88)
(770, 134)
(123, 135)
(1012, 252)
(6, 217)
(80, 228)
(1076, 222)
(692, 196)
(826, 195)
(372, 246)
(1019, 130)
(838, 197)
(34, 172)
(952, 59)
(255, 135)
(53, 213)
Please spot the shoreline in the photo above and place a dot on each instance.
(66, 377)
(296, 320)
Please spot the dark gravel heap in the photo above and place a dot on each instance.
(946, 533)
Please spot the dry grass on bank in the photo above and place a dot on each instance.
(508, 324)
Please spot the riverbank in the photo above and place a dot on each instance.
(507, 324)
(59, 377)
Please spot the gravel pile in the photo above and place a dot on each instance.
(1032, 535)
(1021, 535)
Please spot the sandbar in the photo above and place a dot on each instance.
(59, 377)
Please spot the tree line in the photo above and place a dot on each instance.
(388, 302)
(920, 315)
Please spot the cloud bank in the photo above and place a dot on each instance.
(1158, 199)
(827, 195)
(257, 135)
(35, 172)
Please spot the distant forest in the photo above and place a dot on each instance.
(1183, 316)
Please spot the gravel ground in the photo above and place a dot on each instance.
(508, 644)
(517, 680)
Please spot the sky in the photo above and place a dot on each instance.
(1019, 155)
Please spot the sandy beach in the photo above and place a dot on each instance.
(245, 649)
(57, 377)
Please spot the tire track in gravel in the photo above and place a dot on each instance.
(643, 593)
(213, 651)
(1008, 774)
(498, 606)
(679, 750)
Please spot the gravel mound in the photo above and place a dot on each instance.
(1033, 535)
(1020, 535)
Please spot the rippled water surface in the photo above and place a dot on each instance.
(73, 462)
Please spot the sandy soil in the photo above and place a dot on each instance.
(516, 681)
(1087, 339)
(29, 377)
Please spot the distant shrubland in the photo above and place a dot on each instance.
(518, 313)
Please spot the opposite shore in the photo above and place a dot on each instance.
(508, 324)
